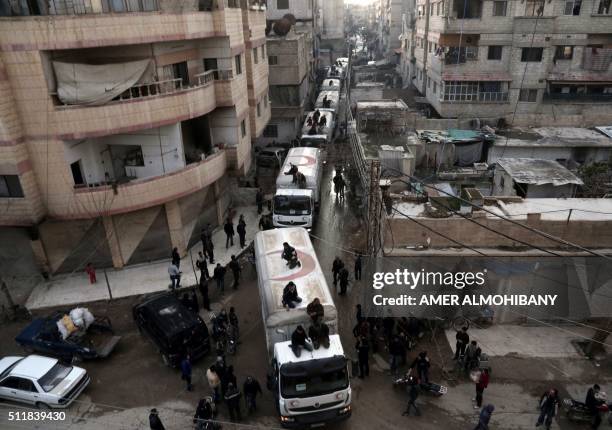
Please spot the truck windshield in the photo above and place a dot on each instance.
(313, 382)
(313, 143)
(292, 205)
(53, 377)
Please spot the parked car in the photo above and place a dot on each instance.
(41, 381)
(173, 329)
(272, 156)
(43, 336)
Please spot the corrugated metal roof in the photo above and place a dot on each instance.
(538, 172)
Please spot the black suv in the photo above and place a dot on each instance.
(173, 329)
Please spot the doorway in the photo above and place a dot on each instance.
(77, 173)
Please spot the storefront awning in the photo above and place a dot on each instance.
(477, 77)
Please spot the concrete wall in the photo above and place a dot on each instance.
(292, 60)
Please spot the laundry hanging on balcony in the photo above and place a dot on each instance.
(94, 85)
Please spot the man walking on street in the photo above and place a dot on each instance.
(176, 258)
(203, 287)
(201, 264)
(154, 421)
(548, 408)
(251, 389)
(358, 268)
(91, 272)
(204, 238)
(241, 229)
(337, 266)
(186, 371)
(485, 417)
(232, 399)
(235, 267)
(363, 356)
(344, 280)
(228, 228)
(175, 277)
(219, 275)
(481, 383)
(413, 393)
(463, 340)
(259, 200)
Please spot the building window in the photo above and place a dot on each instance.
(495, 52)
(238, 61)
(531, 54)
(271, 130)
(428, 82)
(282, 4)
(255, 57)
(530, 96)
(431, 9)
(263, 52)
(272, 60)
(429, 47)
(265, 100)
(10, 186)
(243, 128)
(572, 7)
(499, 8)
(564, 52)
(435, 88)
(534, 8)
(438, 8)
(472, 91)
(604, 7)
(258, 110)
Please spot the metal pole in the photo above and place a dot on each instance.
(110, 294)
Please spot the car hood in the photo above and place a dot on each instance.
(72, 379)
(7, 362)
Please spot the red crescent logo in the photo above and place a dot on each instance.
(310, 161)
(308, 265)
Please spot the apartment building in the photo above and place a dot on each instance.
(530, 62)
(291, 86)
(307, 19)
(332, 31)
(120, 122)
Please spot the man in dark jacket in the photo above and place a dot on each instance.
(485, 417)
(228, 228)
(203, 287)
(593, 404)
(154, 421)
(203, 413)
(186, 371)
(549, 403)
(315, 310)
(235, 267)
(290, 295)
(259, 200)
(241, 230)
(232, 399)
(319, 334)
(344, 280)
(413, 393)
(358, 268)
(298, 341)
(337, 265)
(397, 352)
(463, 340)
(202, 265)
(176, 258)
(363, 356)
(251, 389)
(219, 275)
(421, 365)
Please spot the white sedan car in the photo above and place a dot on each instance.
(41, 381)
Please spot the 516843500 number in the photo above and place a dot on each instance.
(37, 416)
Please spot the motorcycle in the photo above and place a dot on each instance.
(427, 387)
(578, 411)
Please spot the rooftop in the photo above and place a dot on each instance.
(284, 354)
(383, 104)
(553, 137)
(538, 172)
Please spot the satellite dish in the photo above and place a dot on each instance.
(282, 26)
(290, 17)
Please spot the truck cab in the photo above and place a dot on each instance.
(311, 390)
(293, 208)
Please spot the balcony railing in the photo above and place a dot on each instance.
(573, 97)
(75, 7)
(224, 75)
(481, 97)
(461, 55)
(160, 88)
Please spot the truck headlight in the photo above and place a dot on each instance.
(340, 396)
(294, 403)
(287, 419)
(345, 410)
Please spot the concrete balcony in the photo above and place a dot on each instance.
(138, 194)
(527, 24)
(104, 29)
(229, 89)
(146, 106)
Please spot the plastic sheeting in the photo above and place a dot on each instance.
(93, 85)
(467, 154)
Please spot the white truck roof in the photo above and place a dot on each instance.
(293, 192)
(284, 354)
(308, 162)
(330, 84)
(273, 275)
(323, 132)
(332, 96)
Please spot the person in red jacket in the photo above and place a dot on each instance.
(481, 384)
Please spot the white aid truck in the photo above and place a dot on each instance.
(293, 206)
(318, 135)
(313, 389)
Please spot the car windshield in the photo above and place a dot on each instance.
(53, 377)
(8, 369)
(292, 205)
(314, 384)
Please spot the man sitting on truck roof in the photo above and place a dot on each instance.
(299, 341)
(319, 333)
(315, 310)
(290, 296)
(290, 255)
